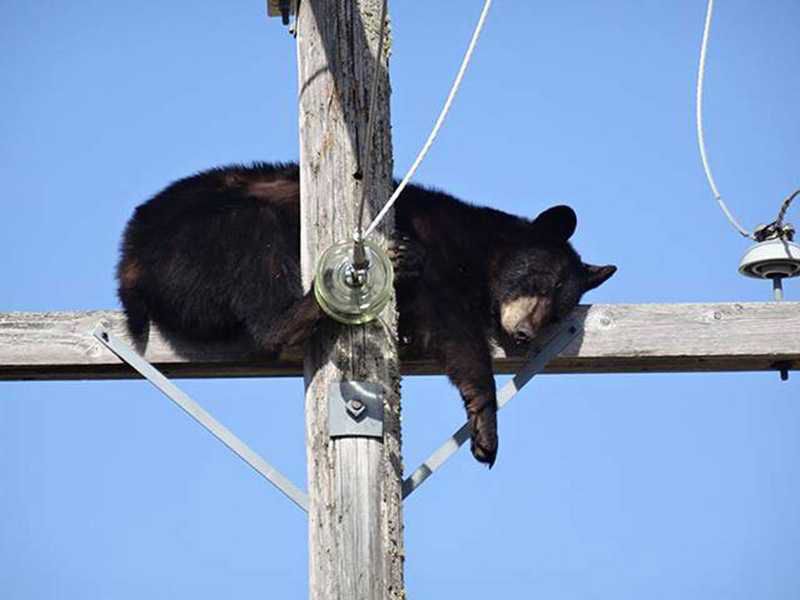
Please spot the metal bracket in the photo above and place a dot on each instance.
(355, 409)
(567, 332)
(194, 410)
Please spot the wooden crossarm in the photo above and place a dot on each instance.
(618, 338)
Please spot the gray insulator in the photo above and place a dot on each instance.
(771, 259)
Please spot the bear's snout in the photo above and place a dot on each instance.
(524, 332)
(522, 317)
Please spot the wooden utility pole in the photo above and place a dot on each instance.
(355, 510)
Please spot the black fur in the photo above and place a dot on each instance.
(215, 257)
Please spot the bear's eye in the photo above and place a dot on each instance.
(559, 285)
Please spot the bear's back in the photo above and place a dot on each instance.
(213, 191)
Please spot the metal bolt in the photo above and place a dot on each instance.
(783, 367)
(356, 408)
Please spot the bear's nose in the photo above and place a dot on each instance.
(523, 333)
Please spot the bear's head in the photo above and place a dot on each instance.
(540, 279)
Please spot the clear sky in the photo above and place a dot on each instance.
(624, 487)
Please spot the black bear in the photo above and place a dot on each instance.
(215, 256)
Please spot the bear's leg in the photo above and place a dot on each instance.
(137, 316)
(291, 327)
(468, 364)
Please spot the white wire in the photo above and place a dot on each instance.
(699, 117)
(439, 121)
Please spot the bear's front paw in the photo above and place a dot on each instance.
(407, 257)
(484, 435)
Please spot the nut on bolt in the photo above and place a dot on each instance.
(356, 408)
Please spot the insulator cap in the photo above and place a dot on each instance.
(770, 259)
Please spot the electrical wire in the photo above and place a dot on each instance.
(784, 207)
(437, 126)
(362, 160)
(700, 134)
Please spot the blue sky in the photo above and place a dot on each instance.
(606, 486)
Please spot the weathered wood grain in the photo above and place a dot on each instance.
(618, 338)
(354, 484)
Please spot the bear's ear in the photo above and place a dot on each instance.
(597, 275)
(558, 222)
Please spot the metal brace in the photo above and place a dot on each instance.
(355, 409)
(567, 332)
(194, 410)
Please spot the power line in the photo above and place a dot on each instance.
(442, 115)
(701, 136)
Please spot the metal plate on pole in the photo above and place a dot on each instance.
(355, 409)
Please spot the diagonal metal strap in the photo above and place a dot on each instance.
(561, 338)
(194, 410)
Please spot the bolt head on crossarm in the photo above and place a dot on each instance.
(282, 8)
